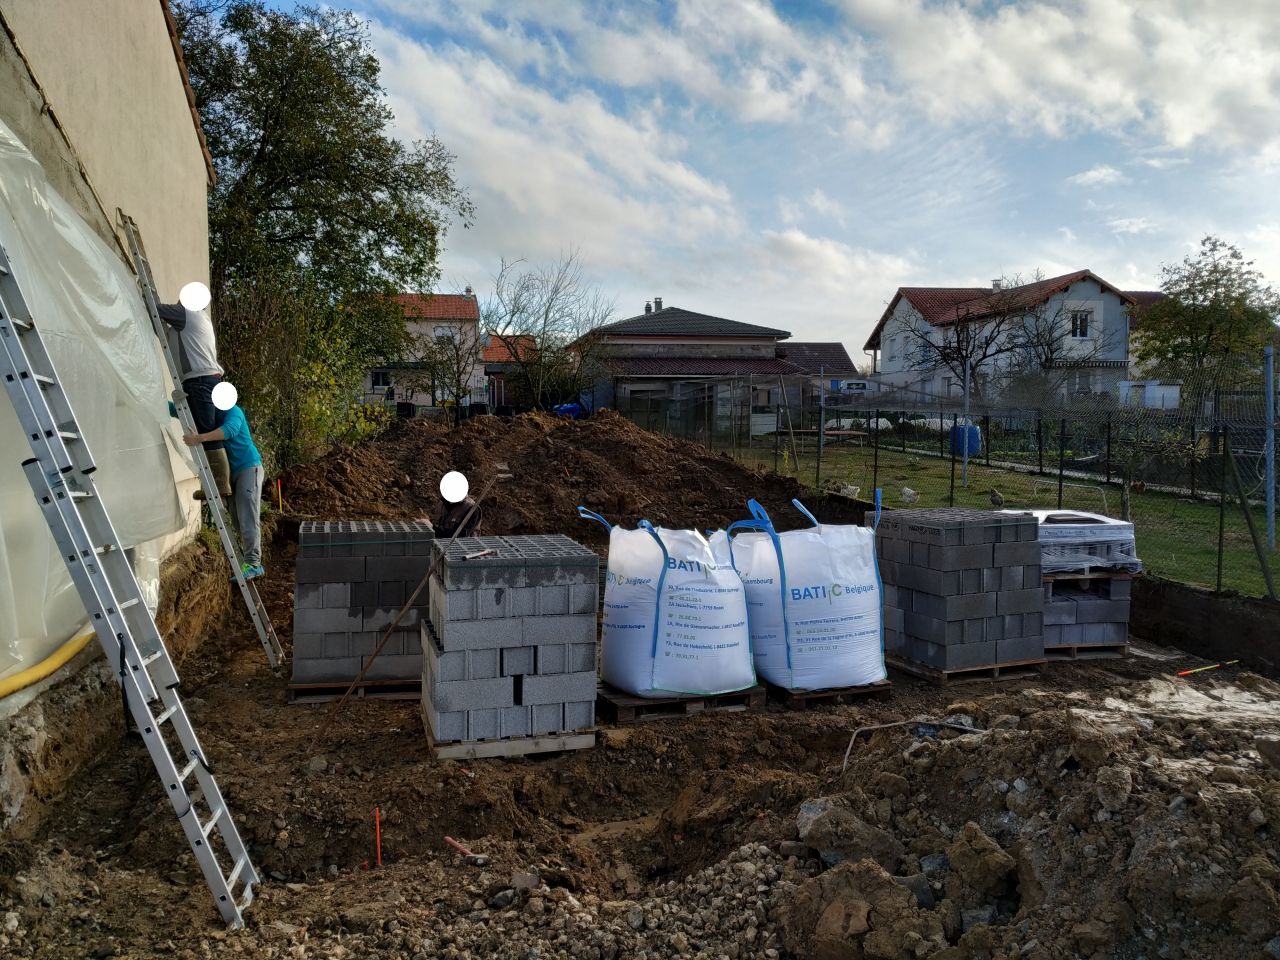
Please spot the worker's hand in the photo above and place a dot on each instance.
(191, 439)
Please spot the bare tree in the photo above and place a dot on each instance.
(1050, 346)
(545, 317)
(968, 343)
(443, 362)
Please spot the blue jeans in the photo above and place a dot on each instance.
(199, 391)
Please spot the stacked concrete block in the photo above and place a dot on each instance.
(962, 588)
(510, 641)
(351, 580)
(1087, 612)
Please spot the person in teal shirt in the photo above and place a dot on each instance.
(246, 482)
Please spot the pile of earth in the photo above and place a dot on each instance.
(1061, 828)
(605, 462)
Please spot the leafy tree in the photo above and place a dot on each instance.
(1215, 317)
(317, 208)
(443, 361)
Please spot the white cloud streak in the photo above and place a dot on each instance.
(1101, 175)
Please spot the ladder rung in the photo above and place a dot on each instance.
(105, 548)
(187, 770)
(21, 324)
(44, 381)
(80, 494)
(236, 871)
(68, 435)
(131, 602)
(151, 658)
(207, 828)
(164, 717)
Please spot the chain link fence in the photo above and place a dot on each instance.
(1191, 476)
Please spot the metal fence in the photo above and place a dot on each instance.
(1193, 479)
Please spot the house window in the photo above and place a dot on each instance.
(1080, 323)
(380, 379)
(445, 333)
(891, 352)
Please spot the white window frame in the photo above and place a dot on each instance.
(1073, 318)
(379, 375)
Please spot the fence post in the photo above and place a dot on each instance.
(1269, 398)
(1062, 455)
(822, 429)
(1222, 493)
(986, 437)
(942, 435)
(1193, 459)
(1039, 444)
(951, 496)
(777, 436)
(1108, 448)
(875, 453)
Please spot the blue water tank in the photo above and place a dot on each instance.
(972, 433)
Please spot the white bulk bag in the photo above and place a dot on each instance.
(675, 614)
(813, 602)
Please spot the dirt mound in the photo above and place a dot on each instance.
(605, 462)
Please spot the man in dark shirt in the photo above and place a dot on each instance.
(194, 346)
(451, 518)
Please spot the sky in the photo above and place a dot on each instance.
(792, 163)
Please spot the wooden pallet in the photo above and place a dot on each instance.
(615, 706)
(803, 699)
(1013, 670)
(1088, 651)
(511, 746)
(365, 690)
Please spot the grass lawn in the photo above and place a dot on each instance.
(1176, 536)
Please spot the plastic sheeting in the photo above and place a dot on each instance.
(89, 311)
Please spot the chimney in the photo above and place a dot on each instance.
(648, 307)
(657, 303)
(997, 283)
(468, 292)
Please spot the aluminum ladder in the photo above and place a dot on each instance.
(252, 601)
(61, 476)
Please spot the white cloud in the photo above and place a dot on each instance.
(1100, 175)
(1164, 163)
(1127, 225)
(1067, 234)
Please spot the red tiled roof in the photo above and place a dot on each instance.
(943, 305)
(1145, 298)
(439, 306)
(826, 358)
(171, 26)
(506, 351)
(699, 367)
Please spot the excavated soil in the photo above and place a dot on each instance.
(1104, 809)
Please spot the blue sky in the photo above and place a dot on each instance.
(793, 163)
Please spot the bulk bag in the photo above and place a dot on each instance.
(813, 602)
(675, 614)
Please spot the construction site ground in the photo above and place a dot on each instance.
(1103, 809)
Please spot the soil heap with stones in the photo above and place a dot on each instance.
(605, 462)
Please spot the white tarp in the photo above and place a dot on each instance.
(90, 313)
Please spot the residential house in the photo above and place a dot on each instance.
(1079, 319)
(431, 317)
(501, 357)
(1140, 389)
(679, 371)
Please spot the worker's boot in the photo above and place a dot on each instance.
(221, 468)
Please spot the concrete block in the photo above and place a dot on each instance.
(1091, 610)
(558, 688)
(552, 658)
(1117, 588)
(308, 646)
(444, 727)
(329, 670)
(1053, 635)
(920, 554)
(335, 646)
(484, 724)
(492, 602)
(994, 628)
(402, 642)
(889, 595)
(330, 570)
(327, 621)
(1023, 648)
(364, 593)
(894, 619)
(974, 631)
(474, 694)
(961, 558)
(517, 561)
(523, 601)
(938, 582)
(1020, 553)
(1105, 633)
(546, 718)
(1032, 577)
(517, 660)
(1011, 577)
(452, 605)
(396, 666)
(1071, 634)
(579, 715)
(582, 656)
(584, 598)
(459, 664)
(1059, 610)
(935, 631)
(1012, 626)
(379, 618)
(393, 593)
(536, 631)
(961, 655)
(1020, 601)
(516, 721)
(991, 580)
(971, 581)
(974, 533)
(411, 569)
(1032, 624)
(553, 600)
(970, 606)
(476, 634)
(308, 596)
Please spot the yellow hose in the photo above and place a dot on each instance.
(36, 673)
